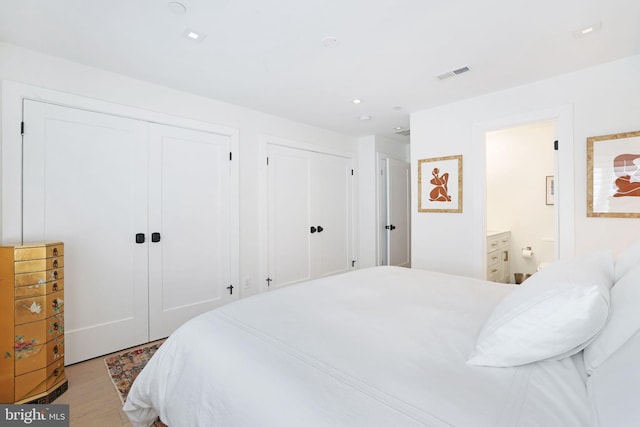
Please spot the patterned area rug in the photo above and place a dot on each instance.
(124, 367)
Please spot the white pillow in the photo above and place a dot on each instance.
(623, 323)
(553, 314)
(627, 259)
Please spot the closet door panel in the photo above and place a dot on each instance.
(333, 192)
(289, 215)
(398, 202)
(189, 206)
(84, 183)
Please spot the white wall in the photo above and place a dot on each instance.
(33, 68)
(518, 161)
(603, 100)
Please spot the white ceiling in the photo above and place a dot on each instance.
(268, 55)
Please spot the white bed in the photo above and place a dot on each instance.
(376, 347)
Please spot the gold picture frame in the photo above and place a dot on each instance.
(613, 175)
(435, 190)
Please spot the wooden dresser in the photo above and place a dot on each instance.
(32, 323)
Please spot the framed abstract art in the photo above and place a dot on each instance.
(440, 184)
(613, 175)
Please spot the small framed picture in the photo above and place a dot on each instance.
(613, 175)
(551, 191)
(440, 184)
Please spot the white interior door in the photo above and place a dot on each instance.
(289, 215)
(309, 215)
(332, 195)
(398, 202)
(189, 266)
(84, 183)
(382, 232)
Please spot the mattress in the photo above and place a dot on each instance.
(384, 346)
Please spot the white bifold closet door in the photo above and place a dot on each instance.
(398, 213)
(309, 215)
(96, 181)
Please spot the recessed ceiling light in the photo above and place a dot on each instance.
(356, 101)
(588, 30)
(330, 42)
(397, 128)
(194, 35)
(365, 117)
(177, 8)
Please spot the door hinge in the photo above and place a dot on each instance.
(269, 280)
(353, 263)
(230, 156)
(21, 128)
(230, 287)
(555, 145)
(351, 172)
(267, 161)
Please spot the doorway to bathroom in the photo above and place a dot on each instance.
(521, 199)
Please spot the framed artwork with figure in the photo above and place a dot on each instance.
(440, 184)
(613, 175)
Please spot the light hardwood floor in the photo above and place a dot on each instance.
(92, 398)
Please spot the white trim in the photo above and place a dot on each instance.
(564, 170)
(266, 139)
(13, 95)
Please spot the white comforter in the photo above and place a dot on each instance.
(377, 347)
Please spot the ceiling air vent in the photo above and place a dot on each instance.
(453, 73)
(405, 132)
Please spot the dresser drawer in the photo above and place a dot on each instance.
(495, 272)
(494, 257)
(29, 357)
(497, 242)
(38, 308)
(39, 290)
(30, 384)
(34, 265)
(39, 252)
(55, 373)
(55, 350)
(39, 278)
(30, 309)
(55, 303)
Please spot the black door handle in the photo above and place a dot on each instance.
(313, 229)
(155, 237)
(320, 229)
(140, 238)
(393, 227)
(390, 227)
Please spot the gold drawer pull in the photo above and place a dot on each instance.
(55, 251)
(55, 349)
(56, 326)
(55, 263)
(56, 372)
(55, 286)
